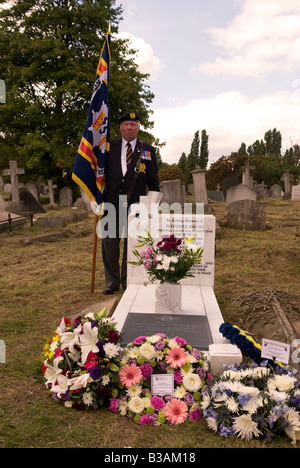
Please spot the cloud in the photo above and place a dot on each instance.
(264, 37)
(230, 118)
(145, 58)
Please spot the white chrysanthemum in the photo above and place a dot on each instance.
(136, 405)
(186, 369)
(245, 427)
(252, 391)
(260, 372)
(122, 407)
(252, 405)
(191, 359)
(212, 424)
(153, 339)
(206, 400)
(111, 350)
(134, 353)
(180, 392)
(105, 380)
(160, 355)
(230, 374)
(148, 352)
(134, 391)
(232, 405)
(172, 343)
(87, 398)
(192, 382)
(147, 402)
(278, 396)
(283, 383)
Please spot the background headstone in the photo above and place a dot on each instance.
(32, 187)
(296, 193)
(286, 179)
(51, 187)
(30, 203)
(199, 183)
(65, 197)
(246, 214)
(240, 192)
(2, 203)
(276, 191)
(229, 182)
(172, 192)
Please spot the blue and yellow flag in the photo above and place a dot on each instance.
(89, 165)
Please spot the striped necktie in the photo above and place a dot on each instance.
(129, 153)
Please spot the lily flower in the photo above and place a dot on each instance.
(88, 341)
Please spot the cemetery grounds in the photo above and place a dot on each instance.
(43, 281)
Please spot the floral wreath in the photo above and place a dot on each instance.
(157, 354)
(246, 344)
(253, 401)
(82, 361)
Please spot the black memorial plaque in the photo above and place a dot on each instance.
(193, 328)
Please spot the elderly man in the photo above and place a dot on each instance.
(130, 169)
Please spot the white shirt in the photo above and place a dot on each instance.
(123, 153)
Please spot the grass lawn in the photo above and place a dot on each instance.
(41, 282)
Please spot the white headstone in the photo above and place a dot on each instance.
(2, 352)
(296, 193)
(182, 226)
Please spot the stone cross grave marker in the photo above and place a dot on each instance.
(247, 178)
(14, 172)
(51, 188)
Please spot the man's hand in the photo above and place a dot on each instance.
(97, 209)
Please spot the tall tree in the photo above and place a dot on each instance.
(49, 54)
(203, 159)
(182, 162)
(273, 141)
(193, 158)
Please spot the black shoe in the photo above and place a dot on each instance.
(109, 291)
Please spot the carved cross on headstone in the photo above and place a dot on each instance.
(247, 179)
(50, 188)
(14, 172)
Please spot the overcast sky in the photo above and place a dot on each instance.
(231, 67)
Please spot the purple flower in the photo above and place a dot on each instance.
(157, 403)
(95, 373)
(160, 345)
(161, 366)
(195, 415)
(189, 399)
(145, 420)
(196, 354)
(201, 372)
(146, 370)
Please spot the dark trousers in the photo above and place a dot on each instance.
(115, 274)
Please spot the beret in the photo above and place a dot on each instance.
(130, 116)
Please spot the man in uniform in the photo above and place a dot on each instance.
(130, 169)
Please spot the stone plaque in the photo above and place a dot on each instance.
(193, 328)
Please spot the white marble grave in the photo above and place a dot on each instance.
(198, 297)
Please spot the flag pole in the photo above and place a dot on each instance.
(94, 256)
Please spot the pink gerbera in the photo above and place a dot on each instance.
(176, 357)
(130, 375)
(176, 411)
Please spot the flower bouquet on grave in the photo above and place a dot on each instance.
(154, 356)
(168, 262)
(253, 401)
(82, 361)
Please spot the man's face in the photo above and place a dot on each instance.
(129, 130)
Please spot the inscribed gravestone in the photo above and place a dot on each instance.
(182, 226)
(172, 191)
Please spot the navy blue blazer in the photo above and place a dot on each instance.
(116, 184)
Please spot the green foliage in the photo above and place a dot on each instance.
(171, 173)
(49, 55)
